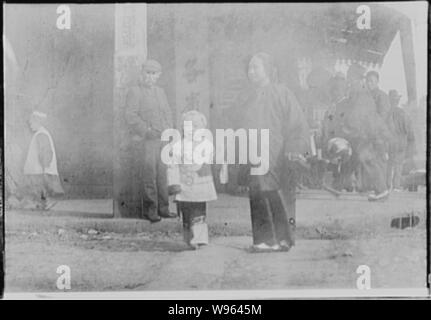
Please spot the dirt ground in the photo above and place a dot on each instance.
(334, 237)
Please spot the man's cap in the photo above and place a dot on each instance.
(356, 71)
(373, 73)
(152, 65)
(393, 94)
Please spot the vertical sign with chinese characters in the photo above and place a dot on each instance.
(192, 59)
(130, 41)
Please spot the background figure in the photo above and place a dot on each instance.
(148, 114)
(272, 195)
(41, 165)
(402, 145)
(366, 131)
(380, 97)
(342, 173)
(337, 92)
(316, 103)
(339, 154)
(383, 107)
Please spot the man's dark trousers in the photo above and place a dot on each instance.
(155, 199)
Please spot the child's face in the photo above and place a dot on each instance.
(195, 125)
(151, 77)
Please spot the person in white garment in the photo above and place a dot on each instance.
(41, 165)
(196, 185)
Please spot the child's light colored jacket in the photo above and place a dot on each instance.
(195, 179)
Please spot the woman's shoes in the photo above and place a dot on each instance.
(284, 246)
(263, 247)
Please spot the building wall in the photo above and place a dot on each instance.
(161, 46)
(69, 75)
(207, 53)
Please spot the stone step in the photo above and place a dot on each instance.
(318, 216)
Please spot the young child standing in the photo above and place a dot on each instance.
(196, 185)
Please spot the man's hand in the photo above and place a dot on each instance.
(294, 156)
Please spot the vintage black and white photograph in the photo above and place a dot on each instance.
(215, 150)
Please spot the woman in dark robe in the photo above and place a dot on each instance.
(273, 106)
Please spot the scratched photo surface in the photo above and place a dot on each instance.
(308, 172)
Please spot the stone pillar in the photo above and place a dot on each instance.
(130, 53)
(191, 59)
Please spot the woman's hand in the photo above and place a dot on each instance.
(295, 156)
(297, 160)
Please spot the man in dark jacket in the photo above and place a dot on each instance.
(148, 114)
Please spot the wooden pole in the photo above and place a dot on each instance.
(406, 36)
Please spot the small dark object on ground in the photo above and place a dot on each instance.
(405, 222)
